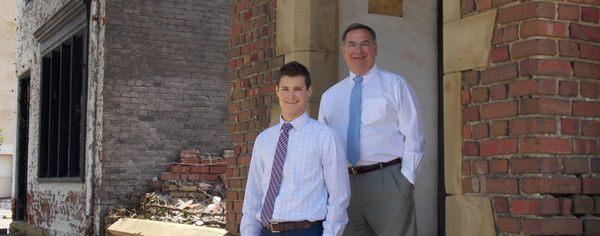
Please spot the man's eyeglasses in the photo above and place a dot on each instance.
(362, 45)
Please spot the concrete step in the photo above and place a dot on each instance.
(131, 227)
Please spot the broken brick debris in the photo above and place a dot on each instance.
(191, 191)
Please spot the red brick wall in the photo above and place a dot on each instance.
(532, 117)
(252, 67)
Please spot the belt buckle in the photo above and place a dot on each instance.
(272, 229)
(353, 170)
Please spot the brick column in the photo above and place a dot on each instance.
(252, 67)
(532, 117)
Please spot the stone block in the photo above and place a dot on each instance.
(451, 10)
(469, 216)
(385, 7)
(467, 42)
(452, 133)
(306, 25)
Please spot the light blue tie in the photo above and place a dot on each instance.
(353, 140)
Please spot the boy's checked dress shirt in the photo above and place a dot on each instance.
(315, 184)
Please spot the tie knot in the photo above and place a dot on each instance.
(286, 127)
(358, 79)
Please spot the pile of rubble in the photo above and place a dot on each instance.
(190, 192)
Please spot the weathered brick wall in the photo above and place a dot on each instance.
(165, 88)
(532, 117)
(252, 68)
(58, 208)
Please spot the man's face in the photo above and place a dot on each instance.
(359, 51)
(293, 96)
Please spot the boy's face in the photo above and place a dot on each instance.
(293, 96)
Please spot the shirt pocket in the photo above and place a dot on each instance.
(373, 110)
(305, 169)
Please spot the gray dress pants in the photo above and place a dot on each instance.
(381, 204)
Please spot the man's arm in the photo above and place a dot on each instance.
(322, 105)
(250, 225)
(410, 126)
(337, 184)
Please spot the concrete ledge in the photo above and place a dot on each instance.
(18, 228)
(129, 226)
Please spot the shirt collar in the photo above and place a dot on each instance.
(297, 123)
(370, 74)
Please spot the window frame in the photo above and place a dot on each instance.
(61, 33)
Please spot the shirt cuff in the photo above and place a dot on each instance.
(332, 229)
(250, 225)
(410, 163)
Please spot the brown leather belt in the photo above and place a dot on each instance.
(357, 170)
(289, 226)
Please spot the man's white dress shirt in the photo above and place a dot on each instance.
(315, 183)
(390, 119)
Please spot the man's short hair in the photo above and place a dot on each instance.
(292, 69)
(356, 26)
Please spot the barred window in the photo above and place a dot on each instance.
(62, 107)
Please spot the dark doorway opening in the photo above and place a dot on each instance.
(20, 211)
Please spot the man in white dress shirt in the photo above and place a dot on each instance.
(298, 180)
(376, 114)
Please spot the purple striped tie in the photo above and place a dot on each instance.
(276, 175)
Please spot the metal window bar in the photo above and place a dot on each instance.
(63, 110)
(54, 112)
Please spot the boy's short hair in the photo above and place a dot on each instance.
(292, 69)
